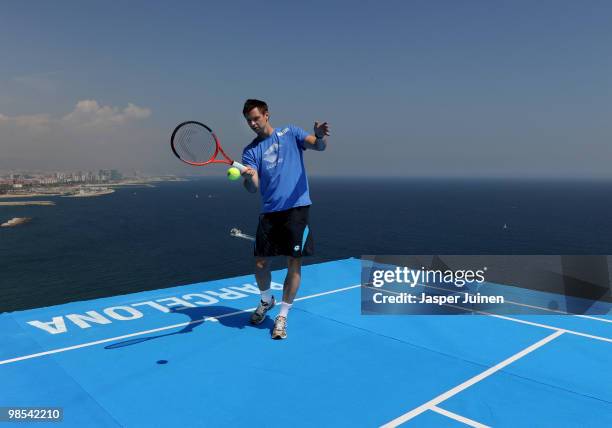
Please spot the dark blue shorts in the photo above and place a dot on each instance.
(284, 233)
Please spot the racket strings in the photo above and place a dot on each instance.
(183, 142)
(194, 143)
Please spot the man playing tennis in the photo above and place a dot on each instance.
(275, 167)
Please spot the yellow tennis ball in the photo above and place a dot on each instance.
(233, 173)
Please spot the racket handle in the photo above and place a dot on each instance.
(238, 165)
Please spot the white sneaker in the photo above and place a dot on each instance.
(280, 328)
(260, 313)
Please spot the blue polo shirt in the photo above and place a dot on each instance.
(279, 161)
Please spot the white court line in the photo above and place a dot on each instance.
(459, 418)
(589, 317)
(530, 306)
(155, 330)
(549, 327)
(451, 392)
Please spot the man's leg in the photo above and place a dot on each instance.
(262, 273)
(292, 280)
(290, 289)
(263, 278)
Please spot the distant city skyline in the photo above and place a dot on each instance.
(411, 89)
(6, 172)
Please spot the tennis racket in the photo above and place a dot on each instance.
(196, 144)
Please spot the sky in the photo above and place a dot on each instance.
(410, 88)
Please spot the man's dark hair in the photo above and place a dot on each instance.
(251, 104)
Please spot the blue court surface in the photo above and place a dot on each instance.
(187, 356)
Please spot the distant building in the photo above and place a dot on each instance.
(104, 175)
(115, 175)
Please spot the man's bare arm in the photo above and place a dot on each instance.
(318, 140)
(314, 143)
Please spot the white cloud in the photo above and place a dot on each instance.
(90, 136)
(136, 112)
(86, 112)
(90, 113)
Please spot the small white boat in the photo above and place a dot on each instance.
(237, 233)
(16, 221)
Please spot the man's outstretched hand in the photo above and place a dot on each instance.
(321, 129)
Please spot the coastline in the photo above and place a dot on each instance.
(71, 191)
(29, 195)
(82, 194)
(23, 203)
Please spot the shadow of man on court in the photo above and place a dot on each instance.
(224, 315)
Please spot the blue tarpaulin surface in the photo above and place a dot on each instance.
(187, 356)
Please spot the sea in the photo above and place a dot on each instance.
(144, 238)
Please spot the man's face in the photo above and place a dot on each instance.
(257, 121)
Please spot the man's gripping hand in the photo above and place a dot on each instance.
(251, 179)
(249, 173)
